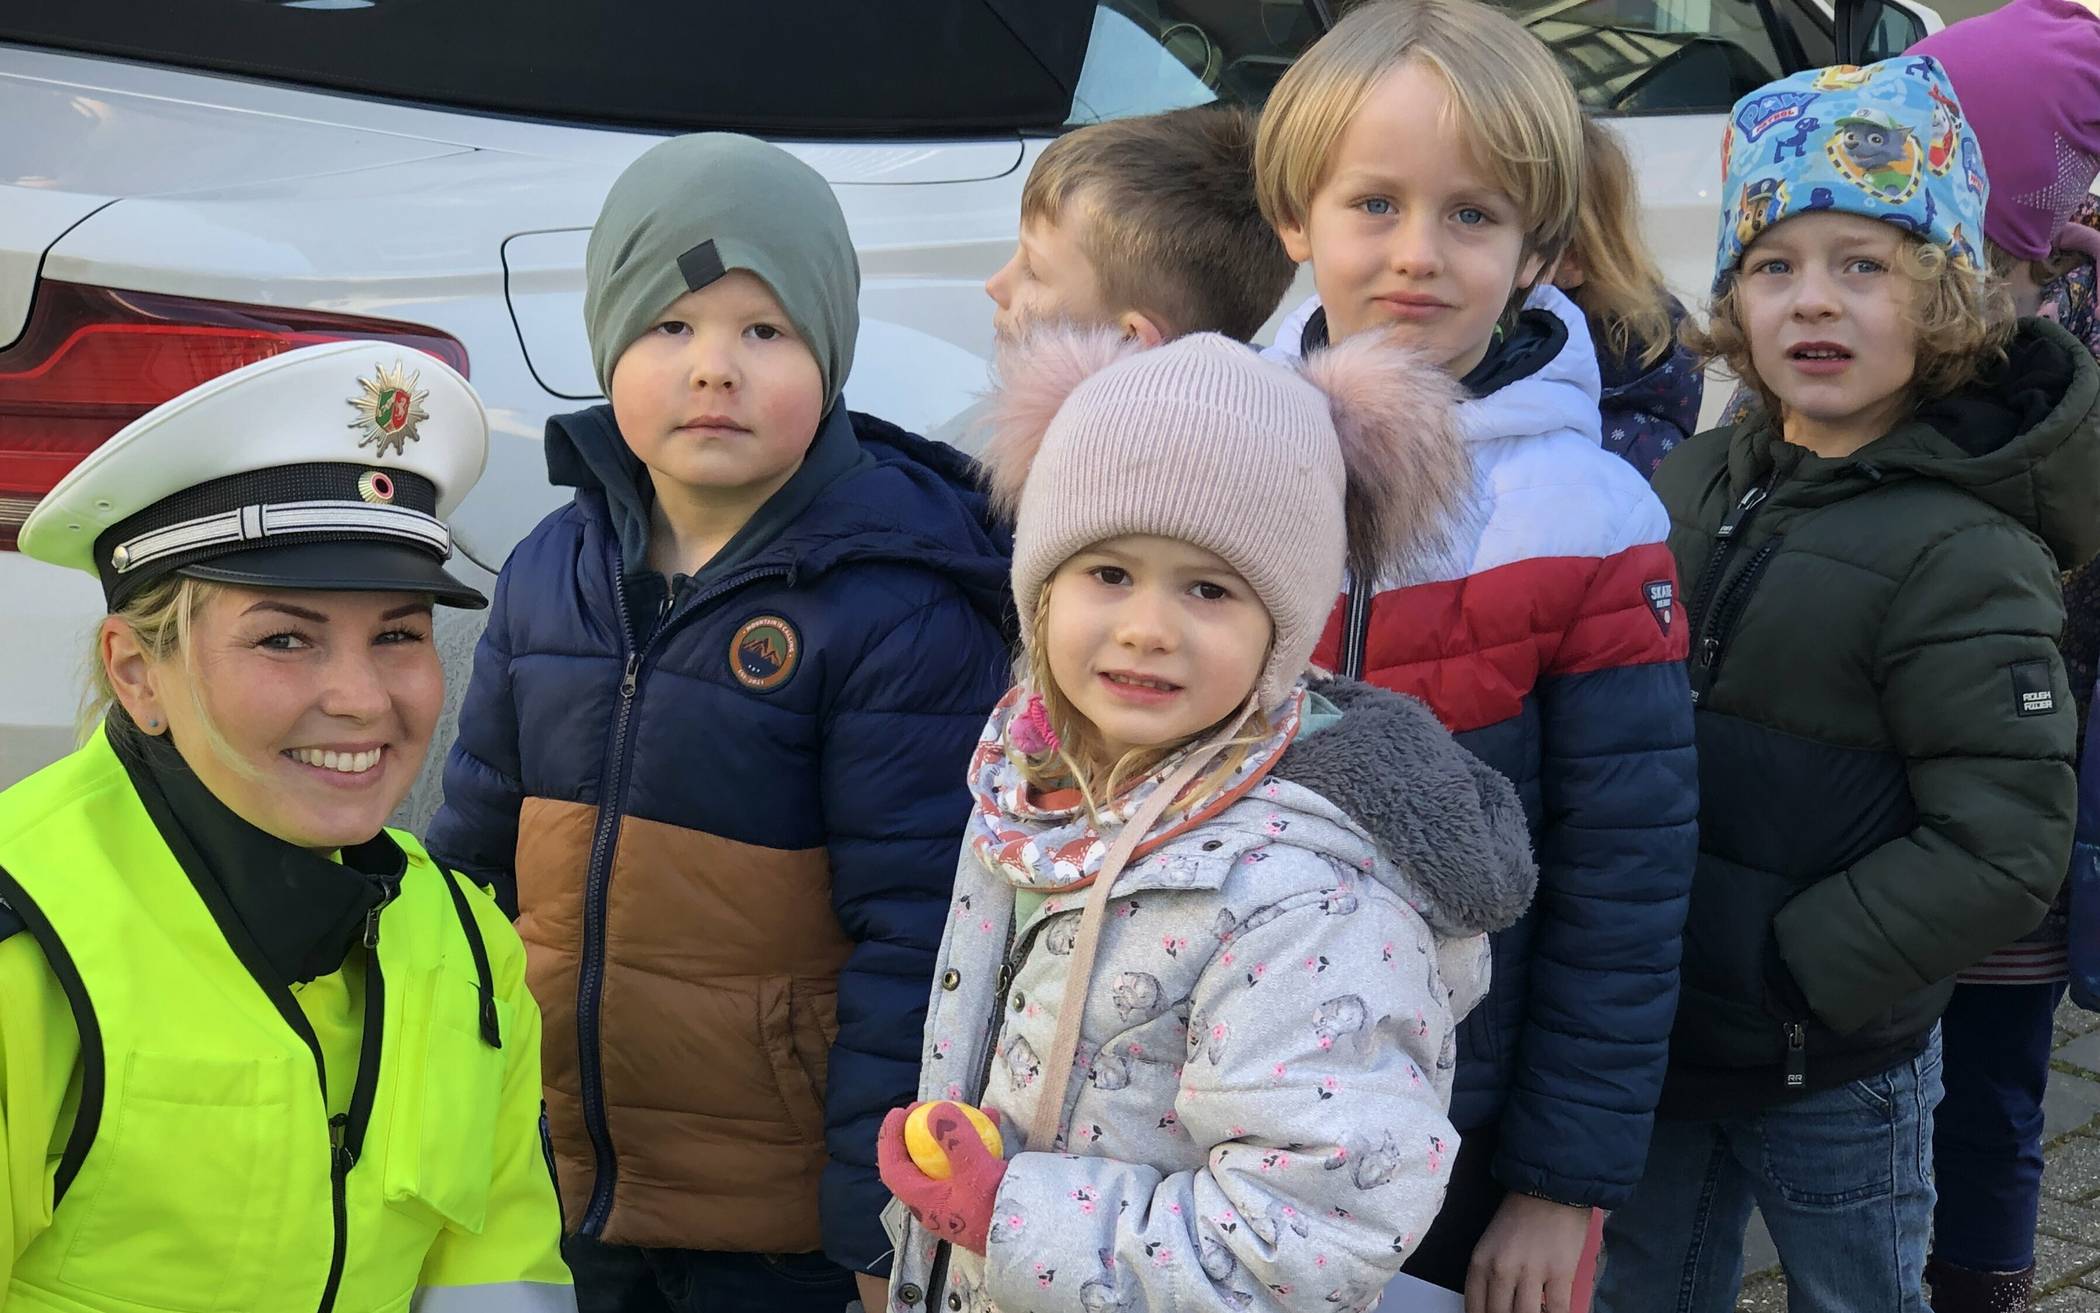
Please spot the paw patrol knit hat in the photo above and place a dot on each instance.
(1885, 141)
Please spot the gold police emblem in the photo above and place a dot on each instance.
(390, 409)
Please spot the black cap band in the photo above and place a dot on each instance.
(254, 511)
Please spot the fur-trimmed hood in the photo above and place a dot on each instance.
(1450, 824)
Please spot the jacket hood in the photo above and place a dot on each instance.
(1669, 388)
(1558, 395)
(1450, 825)
(2024, 439)
(912, 501)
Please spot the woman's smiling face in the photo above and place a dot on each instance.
(308, 713)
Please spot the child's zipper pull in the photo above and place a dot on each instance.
(1733, 521)
(1796, 1055)
(634, 661)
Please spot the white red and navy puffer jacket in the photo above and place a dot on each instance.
(1551, 640)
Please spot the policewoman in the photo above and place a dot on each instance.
(256, 1051)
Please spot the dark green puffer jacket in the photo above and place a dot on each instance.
(1885, 729)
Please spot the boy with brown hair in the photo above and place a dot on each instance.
(1149, 225)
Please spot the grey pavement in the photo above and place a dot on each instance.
(2067, 1249)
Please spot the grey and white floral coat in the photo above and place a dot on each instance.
(1256, 1118)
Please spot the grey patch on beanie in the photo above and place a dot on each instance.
(691, 210)
(701, 265)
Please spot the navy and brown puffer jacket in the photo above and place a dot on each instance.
(1885, 728)
(732, 814)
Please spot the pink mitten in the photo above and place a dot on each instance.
(959, 1209)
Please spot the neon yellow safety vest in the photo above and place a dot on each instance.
(203, 1173)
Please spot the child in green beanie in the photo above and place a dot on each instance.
(716, 734)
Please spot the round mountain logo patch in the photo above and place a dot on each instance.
(764, 653)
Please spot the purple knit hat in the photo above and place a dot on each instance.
(2028, 75)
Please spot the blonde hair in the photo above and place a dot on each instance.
(1077, 761)
(162, 617)
(1621, 289)
(1171, 227)
(1514, 106)
(2043, 271)
(1962, 317)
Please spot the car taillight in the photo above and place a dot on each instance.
(92, 359)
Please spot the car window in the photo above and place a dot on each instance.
(1624, 56)
(812, 68)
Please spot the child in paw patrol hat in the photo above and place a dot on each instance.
(1884, 718)
(212, 872)
(1880, 156)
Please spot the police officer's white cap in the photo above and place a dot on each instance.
(330, 467)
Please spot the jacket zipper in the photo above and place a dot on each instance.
(1727, 539)
(1796, 1055)
(1010, 956)
(1356, 629)
(346, 1130)
(598, 875)
(1728, 609)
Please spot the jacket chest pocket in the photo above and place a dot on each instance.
(186, 1200)
(441, 1135)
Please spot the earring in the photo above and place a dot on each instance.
(153, 725)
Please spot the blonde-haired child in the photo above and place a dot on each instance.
(1427, 157)
(1651, 383)
(1886, 729)
(1214, 927)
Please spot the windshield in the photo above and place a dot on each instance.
(826, 68)
(1623, 56)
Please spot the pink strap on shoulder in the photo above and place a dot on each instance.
(1079, 970)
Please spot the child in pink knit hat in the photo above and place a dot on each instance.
(2028, 76)
(1214, 924)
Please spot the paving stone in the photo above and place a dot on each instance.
(2073, 1169)
(2071, 1299)
(2056, 1261)
(2075, 1019)
(2068, 1104)
(1760, 1255)
(1767, 1294)
(2082, 1053)
(2070, 1221)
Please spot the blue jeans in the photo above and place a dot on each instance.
(1843, 1178)
(623, 1279)
(1987, 1140)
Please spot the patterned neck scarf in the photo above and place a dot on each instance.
(1049, 844)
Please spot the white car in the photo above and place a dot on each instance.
(186, 188)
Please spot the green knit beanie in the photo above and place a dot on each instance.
(693, 208)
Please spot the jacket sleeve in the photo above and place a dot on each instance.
(513, 1263)
(1976, 702)
(1619, 791)
(1329, 1153)
(39, 1059)
(896, 750)
(475, 831)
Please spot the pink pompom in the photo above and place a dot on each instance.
(1033, 376)
(1032, 732)
(1409, 469)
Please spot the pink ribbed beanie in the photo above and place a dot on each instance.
(2028, 75)
(1285, 474)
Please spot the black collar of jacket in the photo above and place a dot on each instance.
(1531, 342)
(286, 911)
